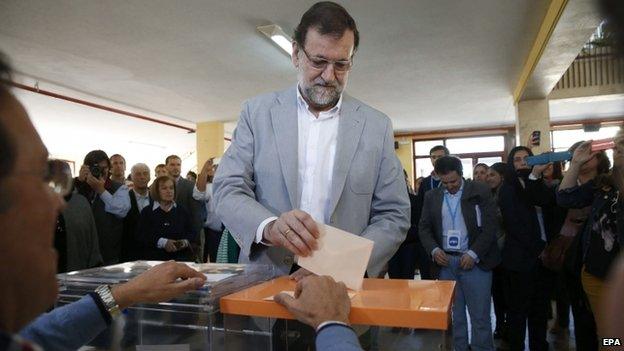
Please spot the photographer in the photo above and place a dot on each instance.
(109, 201)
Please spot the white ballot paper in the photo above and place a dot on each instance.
(341, 255)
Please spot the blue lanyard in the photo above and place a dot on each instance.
(451, 211)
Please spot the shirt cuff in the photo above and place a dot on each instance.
(327, 323)
(162, 242)
(532, 177)
(473, 255)
(433, 252)
(106, 197)
(260, 231)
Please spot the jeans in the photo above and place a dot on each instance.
(473, 290)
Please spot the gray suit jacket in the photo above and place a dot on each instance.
(258, 175)
(184, 198)
(481, 239)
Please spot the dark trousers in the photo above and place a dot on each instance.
(425, 263)
(498, 297)
(562, 301)
(528, 301)
(403, 264)
(211, 244)
(584, 324)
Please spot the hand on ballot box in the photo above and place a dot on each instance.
(317, 299)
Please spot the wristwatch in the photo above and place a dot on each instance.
(110, 304)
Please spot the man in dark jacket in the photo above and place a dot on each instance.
(109, 201)
(458, 229)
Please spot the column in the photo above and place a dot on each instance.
(533, 115)
(209, 136)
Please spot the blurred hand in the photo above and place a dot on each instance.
(208, 166)
(97, 184)
(170, 246)
(466, 262)
(538, 170)
(582, 154)
(161, 283)
(300, 274)
(441, 258)
(294, 230)
(84, 173)
(317, 299)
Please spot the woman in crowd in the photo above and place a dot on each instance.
(164, 229)
(526, 206)
(600, 241)
(479, 172)
(494, 179)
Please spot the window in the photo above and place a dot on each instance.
(563, 139)
(471, 150)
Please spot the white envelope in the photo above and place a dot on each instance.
(341, 255)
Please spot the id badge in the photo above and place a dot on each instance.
(452, 239)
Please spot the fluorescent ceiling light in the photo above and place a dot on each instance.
(278, 36)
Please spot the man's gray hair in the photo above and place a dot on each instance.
(137, 167)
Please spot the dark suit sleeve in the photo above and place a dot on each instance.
(425, 226)
(489, 226)
(145, 232)
(576, 197)
(537, 193)
(189, 232)
(514, 226)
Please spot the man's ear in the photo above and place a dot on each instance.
(295, 54)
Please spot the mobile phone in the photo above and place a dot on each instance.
(536, 136)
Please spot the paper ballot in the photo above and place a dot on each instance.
(341, 255)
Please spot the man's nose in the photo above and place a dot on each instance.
(329, 74)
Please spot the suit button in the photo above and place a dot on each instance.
(288, 260)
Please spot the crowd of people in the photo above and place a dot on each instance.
(113, 218)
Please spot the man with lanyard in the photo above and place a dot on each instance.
(458, 229)
(431, 182)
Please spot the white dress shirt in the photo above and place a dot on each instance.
(316, 154)
(142, 200)
(118, 203)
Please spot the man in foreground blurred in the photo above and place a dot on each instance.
(28, 211)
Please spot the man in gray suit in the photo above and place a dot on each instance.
(184, 197)
(312, 153)
(458, 228)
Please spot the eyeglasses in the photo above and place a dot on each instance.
(320, 64)
(59, 177)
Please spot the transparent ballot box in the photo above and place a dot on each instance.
(252, 321)
(190, 322)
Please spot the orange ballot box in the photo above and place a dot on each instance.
(422, 304)
(252, 319)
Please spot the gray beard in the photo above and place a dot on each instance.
(322, 97)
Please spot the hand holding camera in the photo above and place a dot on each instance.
(92, 175)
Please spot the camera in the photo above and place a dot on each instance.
(95, 170)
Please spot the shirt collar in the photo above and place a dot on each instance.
(157, 205)
(461, 189)
(141, 196)
(333, 112)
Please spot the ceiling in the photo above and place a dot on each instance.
(427, 64)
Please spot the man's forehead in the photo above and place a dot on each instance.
(315, 40)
